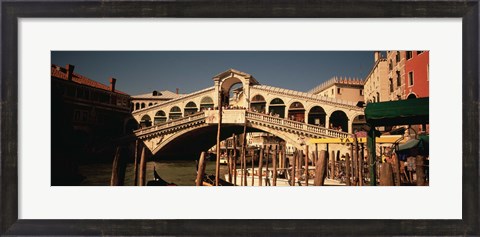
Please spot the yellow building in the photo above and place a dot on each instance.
(376, 83)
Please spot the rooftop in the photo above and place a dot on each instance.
(61, 73)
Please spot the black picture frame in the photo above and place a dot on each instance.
(11, 11)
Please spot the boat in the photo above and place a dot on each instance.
(209, 180)
(158, 181)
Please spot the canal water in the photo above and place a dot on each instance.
(179, 172)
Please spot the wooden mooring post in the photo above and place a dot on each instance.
(201, 169)
(230, 166)
(143, 169)
(294, 170)
(260, 167)
(234, 159)
(267, 156)
(115, 179)
(274, 164)
(386, 175)
(332, 165)
(135, 164)
(306, 165)
(353, 166)
(359, 162)
(219, 127)
(347, 169)
(244, 154)
(253, 153)
(321, 168)
(420, 170)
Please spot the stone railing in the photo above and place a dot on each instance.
(173, 123)
(296, 125)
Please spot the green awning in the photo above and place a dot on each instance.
(400, 112)
(421, 143)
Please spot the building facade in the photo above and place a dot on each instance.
(416, 71)
(376, 87)
(86, 117)
(341, 88)
(396, 74)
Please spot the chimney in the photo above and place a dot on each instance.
(112, 84)
(70, 69)
(177, 91)
(376, 55)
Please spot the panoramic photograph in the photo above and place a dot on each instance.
(240, 118)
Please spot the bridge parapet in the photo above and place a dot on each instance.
(313, 130)
(181, 122)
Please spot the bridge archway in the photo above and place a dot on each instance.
(190, 108)
(358, 123)
(142, 105)
(338, 119)
(160, 117)
(146, 121)
(317, 116)
(258, 104)
(277, 107)
(206, 103)
(175, 113)
(296, 112)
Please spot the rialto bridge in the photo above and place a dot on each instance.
(189, 123)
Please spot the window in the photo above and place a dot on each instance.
(361, 92)
(391, 84)
(410, 78)
(390, 65)
(338, 91)
(399, 97)
(419, 52)
(332, 91)
(409, 55)
(397, 57)
(399, 81)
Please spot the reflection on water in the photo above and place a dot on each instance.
(180, 172)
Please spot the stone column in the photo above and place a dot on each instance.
(350, 125)
(327, 120)
(217, 89)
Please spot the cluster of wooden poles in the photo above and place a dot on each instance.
(140, 165)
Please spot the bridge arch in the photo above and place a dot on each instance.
(317, 116)
(146, 121)
(277, 107)
(296, 112)
(175, 113)
(258, 104)
(358, 122)
(206, 103)
(190, 108)
(339, 119)
(142, 105)
(160, 117)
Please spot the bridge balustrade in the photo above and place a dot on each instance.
(172, 123)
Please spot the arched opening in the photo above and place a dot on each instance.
(296, 112)
(411, 96)
(277, 107)
(358, 123)
(234, 95)
(160, 117)
(175, 113)
(206, 103)
(339, 121)
(317, 116)
(143, 105)
(190, 108)
(137, 106)
(131, 126)
(258, 104)
(150, 104)
(146, 121)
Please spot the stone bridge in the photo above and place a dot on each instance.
(291, 115)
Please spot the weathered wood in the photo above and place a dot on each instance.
(321, 168)
(306, 165)
(386, 175)
(332, 165)
(115, 168)
(230, 165)
(219, 127)
(135, 164)
(315, 156)
(234, 159)
(274, 164)
(396, 169)
(267, 156)
(362, 157)
(201, 169)
(347, 169)
(420, 170)
(353, 166)
(294, 166)
(253, 153)
(260, 167)
(299, 165)
(359, 162)
(244, 153)
(143, 169)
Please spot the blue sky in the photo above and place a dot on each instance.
(139, 72)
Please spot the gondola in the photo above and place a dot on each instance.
(158, 181)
